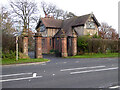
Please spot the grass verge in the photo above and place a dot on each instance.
(94, 55)
(22, 61)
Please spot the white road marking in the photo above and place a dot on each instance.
(76, 61)
(65, 62)
(14, 74)
(114, 87)
(19, 79)
(94, 70)
(82, 68)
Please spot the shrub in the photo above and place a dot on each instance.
(94, 45)
(96, 36)
(57, 53)
(102, 46)
(82, 43)
(23, 56)
(80, 53)
(52, 51)
(8, 43)
(10, 55)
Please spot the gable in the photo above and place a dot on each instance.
(90, 24)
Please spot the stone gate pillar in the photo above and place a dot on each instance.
(38, 45)
(25, 45)
(25, 42)
(74, 44)
(64, 45)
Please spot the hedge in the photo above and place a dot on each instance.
(92, 45)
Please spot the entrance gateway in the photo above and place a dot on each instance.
(63, 41)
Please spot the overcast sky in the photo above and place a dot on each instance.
(104, 10)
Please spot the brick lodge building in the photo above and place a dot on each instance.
(62, 35)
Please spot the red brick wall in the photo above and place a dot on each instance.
(47, 44)
(63, 45)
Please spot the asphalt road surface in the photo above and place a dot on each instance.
(63, 73)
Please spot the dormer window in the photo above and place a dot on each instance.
(90, 25)
(42, 28)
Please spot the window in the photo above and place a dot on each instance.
(42, 28)
(50, 42)
(90, 25)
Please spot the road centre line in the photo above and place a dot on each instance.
(65, 62)
(81, 68)
(76, 61)
(19, 79)
(14, 74)
(97, 70)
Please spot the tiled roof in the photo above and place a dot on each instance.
(67, 24)
(51, 22)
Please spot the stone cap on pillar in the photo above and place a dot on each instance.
(24, 33)
(38, 34)
(74, 34)
(63, 33)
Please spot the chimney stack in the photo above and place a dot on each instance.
(46, 15)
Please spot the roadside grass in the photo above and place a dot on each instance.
(95, 55)
(21, 61)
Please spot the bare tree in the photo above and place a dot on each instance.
(6, 23)
(68, 15)
(24, 10)
(48, 8)
(27, 12)
(58, 14)
(53, 10)
(107, 32)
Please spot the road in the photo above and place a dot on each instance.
(63, 73)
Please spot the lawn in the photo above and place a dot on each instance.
(94, 55)
(21, 61)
